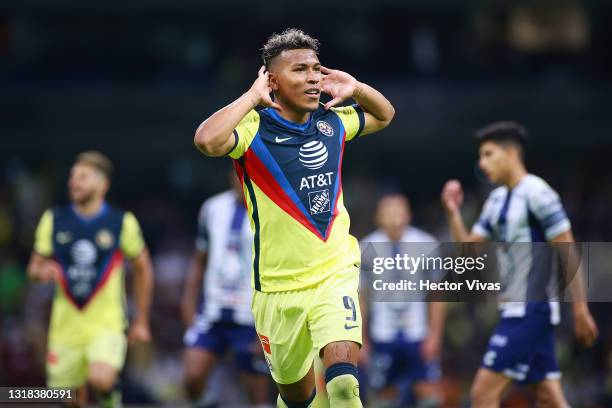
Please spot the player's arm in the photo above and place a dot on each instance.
(378, 111)
(135, 251)
(584, 325)
(41, 267)
(193, 286)
(143, 292)
(452, 198)
(433, 342)
(214, 137)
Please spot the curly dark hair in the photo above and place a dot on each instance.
(290, 39)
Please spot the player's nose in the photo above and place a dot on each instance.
(313, 77)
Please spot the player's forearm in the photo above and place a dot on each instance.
(437, 315)
(572, 267)
(576, 282)
(143, 286)
(213, 136)
(193, 285)
(457, 226)
(36, 267)
(374, 103)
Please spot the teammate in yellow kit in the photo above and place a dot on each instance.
(305, 264)
(82, 247)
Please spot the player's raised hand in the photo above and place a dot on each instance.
(585, 327)
(139, 332)
(452, 196)
(338, 84)
(260, 90)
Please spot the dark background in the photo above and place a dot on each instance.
(135, 79)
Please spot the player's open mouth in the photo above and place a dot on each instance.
(313, 92)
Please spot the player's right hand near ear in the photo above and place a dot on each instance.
(452, 196)
(260, 90)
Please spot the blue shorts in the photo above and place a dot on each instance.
(219, 337)
(523, 348)
(400, 361)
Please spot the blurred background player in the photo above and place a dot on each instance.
(220, 273)
(405, 338)
(289, 157)
(81, 247)
(523, 209)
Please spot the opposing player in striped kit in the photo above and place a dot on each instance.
(523, 212)
(217, 300)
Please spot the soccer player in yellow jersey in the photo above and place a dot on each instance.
(305, 263)
(81, 247)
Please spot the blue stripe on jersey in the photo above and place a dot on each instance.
(503, 217)
(553, 218)
(541, 262)
(239, 212)
(537, 232)
(247, 181)
(268, 160)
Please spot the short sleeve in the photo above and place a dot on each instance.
(352, 118)
(483, 226)
(131, 240)
(201, 242)
(545, 205)
(43, 239)
(244, 134)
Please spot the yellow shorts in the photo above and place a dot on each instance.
(293, 326)
(68, 365)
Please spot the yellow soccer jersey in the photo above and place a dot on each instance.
(90, 294)
(291, 176)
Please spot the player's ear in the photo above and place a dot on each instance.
(272, 81)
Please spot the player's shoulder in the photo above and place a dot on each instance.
(534, 184)
(497, 194)
(253, 115)
(113, 210)
(538, 192)
(414, 234)
(375, 236)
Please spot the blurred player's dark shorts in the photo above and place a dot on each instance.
(221, 337)
(523, 348)
(400, 361)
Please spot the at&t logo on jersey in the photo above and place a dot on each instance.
(84, 252)
(313, 155)
(325, 128)
(82, 272)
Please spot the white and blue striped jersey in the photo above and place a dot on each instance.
(224, 233)
(531, 212)
(388, 320)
